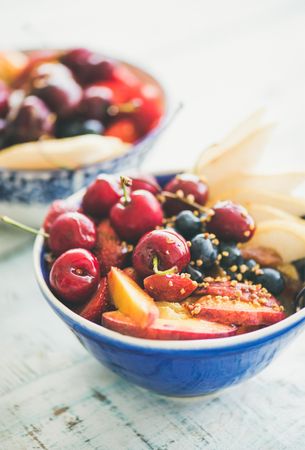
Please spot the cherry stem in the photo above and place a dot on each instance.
(7, 220)
(125, 181)
(170, 271)
(171, 195)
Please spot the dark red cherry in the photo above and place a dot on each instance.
(231, 222)
(146, 182)
(54, 83)
(89, 66)
(3, 130)
(4, 99)
(75, 275)
(189, 186)
(33, 121)
(101, 195)
(72, 230)
(124, 129)
(132, 218)
(96, 100)
(169, 247)
(57, 208)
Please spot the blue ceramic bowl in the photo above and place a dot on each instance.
(25, 194)
(175, 368)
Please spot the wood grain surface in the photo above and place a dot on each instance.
(222, 59)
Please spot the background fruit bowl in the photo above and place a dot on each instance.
(177, 368)
(25, 193)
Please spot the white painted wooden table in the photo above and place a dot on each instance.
(222, 59)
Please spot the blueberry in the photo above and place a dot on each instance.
(202, 249)
(196, 275)
(249, 274)
(187, 224)
(231, 254)
(272, 280)
(78, 127)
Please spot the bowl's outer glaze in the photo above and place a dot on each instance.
(176, 371)
(25, 194)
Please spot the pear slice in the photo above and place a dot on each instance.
(241, 149)
(68, 153)
(286, 237)
(261, 212)
(289, 204)
(277, 182)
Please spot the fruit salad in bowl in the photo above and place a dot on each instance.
(177, 291)
(65, 116)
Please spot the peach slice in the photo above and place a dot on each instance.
(228, 310)
(167, 329)
(131, 300)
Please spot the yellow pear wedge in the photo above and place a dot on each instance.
(286, 237)
(287, 203)
(261, 212)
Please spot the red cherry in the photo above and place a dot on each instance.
(169, 287)
(72, 230)
(89, 66)
(150, 110)
(231, 222)
(189, 186)
(124, 129)
(33, 120)
(75, 275)
(96, 100)
(169, 247)
(146, 182)
(4, 99)
(133, 218)
(54, 84)
(101, 195)
(57, 208)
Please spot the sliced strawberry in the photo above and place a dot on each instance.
(169, 287)
(234, 310)
(234, 290)
(97, 304)
(109, 250)
(171, 329)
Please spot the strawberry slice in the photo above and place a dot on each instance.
(171, 329)
(97, 304)
(234, 290)
(169, 287)
(234, 310)
(110, 250)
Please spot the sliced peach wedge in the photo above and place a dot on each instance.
(131, 300)
(168, 329)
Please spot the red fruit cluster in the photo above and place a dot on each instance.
(62, 92)
(119, 244)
